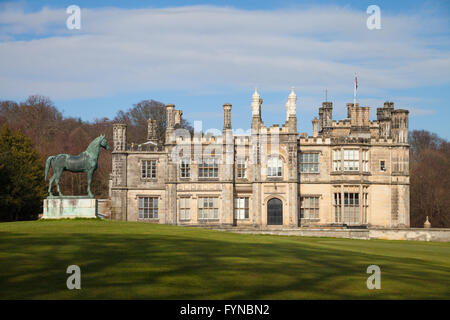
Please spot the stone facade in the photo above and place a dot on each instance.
(351, 172)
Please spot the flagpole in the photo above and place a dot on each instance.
(354, 91)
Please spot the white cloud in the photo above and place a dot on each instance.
(205, 49)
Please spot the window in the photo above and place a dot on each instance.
(241, 168)
(337, 160)
(208, 208)
(241, 208)
(309, 208)
(148, 169)
(351, 208)
(365, 160)
(365, 207)
(185, 208)
(185, 169)
(309, 162)
(351, 160)
(383, 165)
(148, 208)
(338, 207)
(209, 168)
(274, 167)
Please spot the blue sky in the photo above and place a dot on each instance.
(202, 54)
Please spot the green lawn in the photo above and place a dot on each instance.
(127, 260)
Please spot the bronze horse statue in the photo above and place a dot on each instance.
(84, 162)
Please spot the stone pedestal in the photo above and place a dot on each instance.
(70, 207)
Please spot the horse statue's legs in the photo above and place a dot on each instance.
(89, 176)
(50, 185)
(58, 173)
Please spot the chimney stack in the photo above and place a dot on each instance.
(227, 116)
(315, 124)
(326, 116)
(177, 117)
(170, 123)
(151, 130)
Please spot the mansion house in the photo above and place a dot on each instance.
(349, 173)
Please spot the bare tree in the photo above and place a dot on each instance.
(430, 178)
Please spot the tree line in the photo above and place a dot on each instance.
(430, 179)
(34, 129)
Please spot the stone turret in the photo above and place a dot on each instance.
(119, 172)
(384, 118)
(326, 117)
(228, 152)
(291, 111)
(256, 110)
(119, 136)
(291, 105)
(399, 124)
(359, 119)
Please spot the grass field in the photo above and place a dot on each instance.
(125, 260)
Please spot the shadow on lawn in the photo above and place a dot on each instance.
(155, 266)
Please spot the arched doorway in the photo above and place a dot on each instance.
(275, 212)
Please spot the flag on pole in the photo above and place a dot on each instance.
(356, 82)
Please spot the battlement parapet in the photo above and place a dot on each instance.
(349, 140)
(314, 140)
(381, 141)
(135, 147)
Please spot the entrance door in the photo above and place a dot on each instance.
(275, 212)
